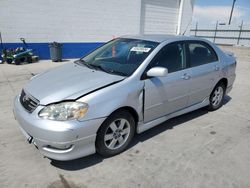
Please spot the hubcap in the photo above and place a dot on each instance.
(117, 134)
(217, 96)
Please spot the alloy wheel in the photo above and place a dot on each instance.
(117, 134)
(217, 96)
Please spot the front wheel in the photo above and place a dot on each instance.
(115, 134)
(216, 97)
(9, 61)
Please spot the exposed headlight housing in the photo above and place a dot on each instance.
(64, 111)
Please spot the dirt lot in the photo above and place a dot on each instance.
(199, 149)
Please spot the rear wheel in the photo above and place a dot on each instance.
(17, 61)
(22, 59)
(29, 59)
(115, 134)
(216, 97)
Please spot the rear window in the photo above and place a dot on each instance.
(201, 53)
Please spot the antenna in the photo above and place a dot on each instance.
(187, 27)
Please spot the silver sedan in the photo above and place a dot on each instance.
(127, 86)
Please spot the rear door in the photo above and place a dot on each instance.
(205, 69)
(165, 95)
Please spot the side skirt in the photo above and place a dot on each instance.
(145, 126)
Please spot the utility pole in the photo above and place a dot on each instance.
(231, 14)
(241, 26)
(196, 28)
(215, 31)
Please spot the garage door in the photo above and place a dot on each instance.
(159, 16)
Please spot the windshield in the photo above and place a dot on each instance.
(119, 56)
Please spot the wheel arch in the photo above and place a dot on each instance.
(224, 81)
(99, 141)
(129, 109)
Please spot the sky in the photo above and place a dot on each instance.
(209, 11)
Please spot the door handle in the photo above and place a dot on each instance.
(185, 76)
(216, 68)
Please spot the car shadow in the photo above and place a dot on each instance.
(94, 159)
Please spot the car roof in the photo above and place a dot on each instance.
(159, 37)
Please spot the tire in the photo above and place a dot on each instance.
(29, 59)
(9, 61)
(216, 97)
(17, 61)
(22, 59)
(115, 134)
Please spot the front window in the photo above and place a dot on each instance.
(119, 56)
(171, 56)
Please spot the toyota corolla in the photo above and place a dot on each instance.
(126, 86)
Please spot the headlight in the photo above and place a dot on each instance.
(64, 111)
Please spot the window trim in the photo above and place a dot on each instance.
(144, 75)
(188, 58)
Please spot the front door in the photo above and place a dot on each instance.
(165, 95)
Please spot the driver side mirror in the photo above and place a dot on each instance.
(157, 72)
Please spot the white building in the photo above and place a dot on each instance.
(81, 25)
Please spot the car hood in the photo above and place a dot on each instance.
(68, 81)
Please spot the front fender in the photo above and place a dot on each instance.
(103, 102)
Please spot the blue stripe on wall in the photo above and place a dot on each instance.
(69, 50)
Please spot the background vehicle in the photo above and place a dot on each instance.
(125, 87)
(18, 55)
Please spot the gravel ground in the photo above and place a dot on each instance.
(199, 149)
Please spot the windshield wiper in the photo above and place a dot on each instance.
(82, 62)
(98, 67)
(110, 71)
(89, 65)
(117, 73)
(79, 61)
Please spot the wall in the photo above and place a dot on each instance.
(76, 24)
(80, 25)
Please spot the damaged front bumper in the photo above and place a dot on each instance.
(59, 140)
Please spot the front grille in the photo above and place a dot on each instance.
(28, 102)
